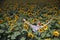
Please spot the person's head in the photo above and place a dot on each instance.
(38, 23)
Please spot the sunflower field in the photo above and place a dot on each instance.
(12, 13)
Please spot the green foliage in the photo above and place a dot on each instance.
(23, 10)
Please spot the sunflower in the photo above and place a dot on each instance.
(25, 26)
(15, 6)
(40, 18)
(11, 26)
(47, 39)
(56, 33)
(31, 35)
(30, 14)
(34, 20)
(55, 8)
(40, 30)
(21, 10)
(16, 18)
(59, 22)
(47, 20)
(45, 27)
(55, 18)
(32, 6)
(8, 18)
(1, 21)
(45, 14)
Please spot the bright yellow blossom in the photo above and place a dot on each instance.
(1, 21)
(31, 35)
(21, 10)
(9, 22)
(47, 20)
(11, 26)
(48, 39)
(34, 20)
(56, 33)
(45, 27)
(5, 15)
(8, 18)
(59, 22)
(55, 18)
(30, 14)
(41, 30)
(32, 6)
(45, 14)
(16, 18)
(55, 8)
(25, 26)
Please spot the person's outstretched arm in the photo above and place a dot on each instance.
(48, 22)
(27, 22)
(32, 26)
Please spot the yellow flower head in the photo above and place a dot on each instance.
(45, 14)
(56, 33)
(21, 10)
(55, 18)
(48, 39)
(11, 26)
(29, 14)
(41, 30)
(34, 20)
(25, 26)
(31, 35)
(59, 22)
(32, 6)
(16, 18)
(45, 27)
(8, 18)
(46, 20)
(1, 21)
(55, 8)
